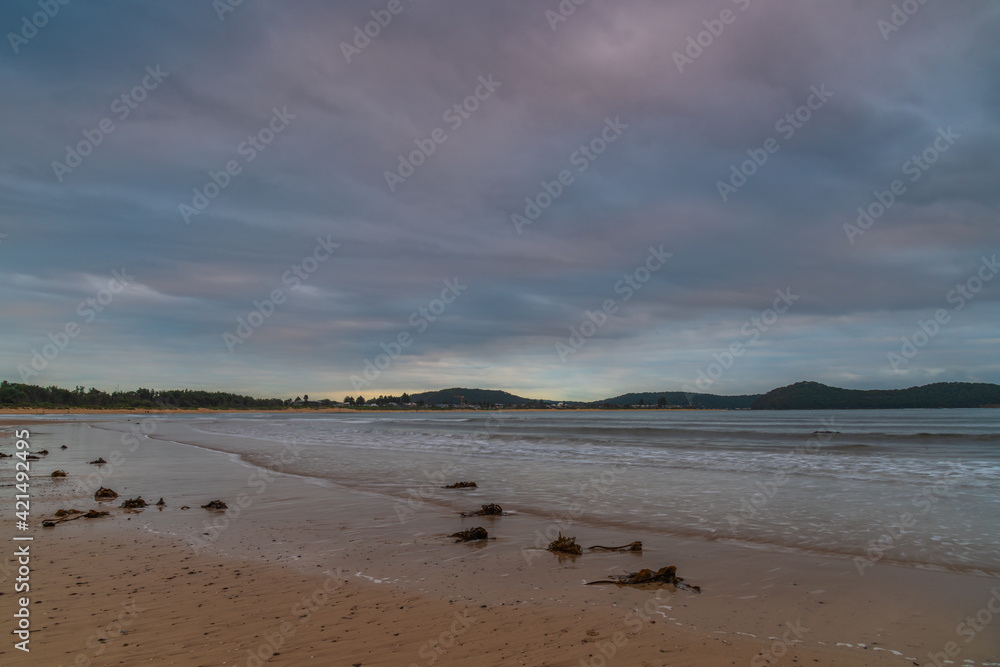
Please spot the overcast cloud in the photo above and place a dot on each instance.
(372, 250)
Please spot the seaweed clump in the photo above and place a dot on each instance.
(97, 462)
(58, 473)
(71, 514)
(134, 503)
(565, 545)
(487, 510)
(634, 546)
(463, 485)
(216, 505)
(665, 575)
(105, 493)
(471, 535)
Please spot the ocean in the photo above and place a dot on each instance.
(918, 487)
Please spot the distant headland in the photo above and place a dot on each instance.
(798, 396)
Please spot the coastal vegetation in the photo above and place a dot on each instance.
(13, 394)
(682, 399)
(816, 396)
(799, 396)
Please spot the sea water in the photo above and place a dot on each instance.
(920, 487)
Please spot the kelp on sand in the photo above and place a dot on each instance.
(665, 575)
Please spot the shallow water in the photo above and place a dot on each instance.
(914, 486)
(541, 466)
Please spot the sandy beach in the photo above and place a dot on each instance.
(108, 599)
(321, 573)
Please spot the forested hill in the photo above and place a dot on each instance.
(675, 398)
(470, 396)
(816, 396)
(799, 396)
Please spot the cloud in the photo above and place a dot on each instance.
(324, 176)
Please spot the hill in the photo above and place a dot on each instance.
(682, 398)
(816, 396)
(473, 396)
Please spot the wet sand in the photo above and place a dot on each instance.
(207, 588)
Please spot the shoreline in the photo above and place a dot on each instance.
(97, 412)
(746, 592)
(548, 517)
(219, 411)
(333, 617)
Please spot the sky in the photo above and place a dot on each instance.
(563, 200)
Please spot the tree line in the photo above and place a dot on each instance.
(26, 395)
